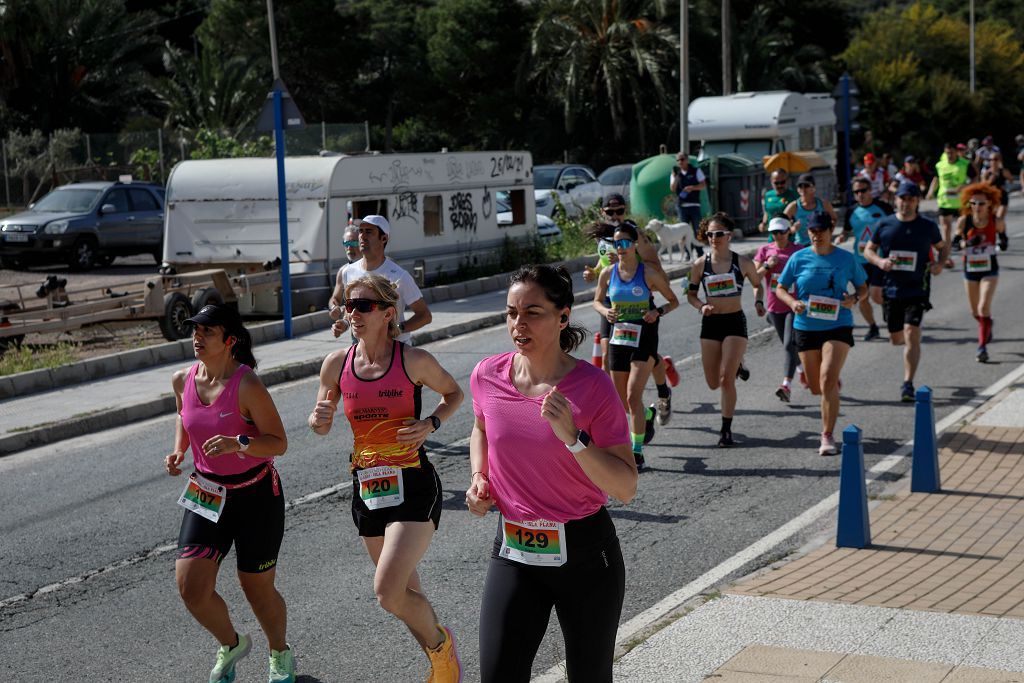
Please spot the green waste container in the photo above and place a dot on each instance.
(650, 195)
(737, 184)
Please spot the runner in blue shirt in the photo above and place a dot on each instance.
(861, 221)
(823, 326)
(901, 248)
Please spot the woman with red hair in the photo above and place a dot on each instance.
(978, 227)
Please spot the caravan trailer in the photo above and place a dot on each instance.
(759, 124)
(443, 209)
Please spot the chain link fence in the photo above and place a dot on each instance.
(31, 167)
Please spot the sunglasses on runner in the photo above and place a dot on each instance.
(719, 233)
(364, 305)
(623, 244)
(351, 244)
(802, 185)
(861, 190)
(615, 211)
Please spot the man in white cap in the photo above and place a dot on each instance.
(374, 232)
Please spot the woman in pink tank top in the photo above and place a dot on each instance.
(549, 445)
(229, 421)
(396, 494)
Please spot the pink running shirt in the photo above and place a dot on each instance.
(772, 277)
(203, 422)
(532, 474)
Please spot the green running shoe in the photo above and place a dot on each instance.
(282, 666)
(224, 670)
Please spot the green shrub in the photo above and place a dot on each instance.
(25, 358)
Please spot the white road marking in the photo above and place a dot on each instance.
(663, 607)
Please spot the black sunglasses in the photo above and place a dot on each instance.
(615, 212)
(364, 305)
(861, 190)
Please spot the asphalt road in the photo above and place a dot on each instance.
(91, 519)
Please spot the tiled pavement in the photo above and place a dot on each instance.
(961, 550)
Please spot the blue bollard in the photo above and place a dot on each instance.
(854, 528)
(924, 477)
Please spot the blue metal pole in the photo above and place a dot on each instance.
(282, 213)
(853, 527)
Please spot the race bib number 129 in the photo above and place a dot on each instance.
(538, 542)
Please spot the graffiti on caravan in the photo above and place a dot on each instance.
(461, 212)
(507, 163)
(457, 170)
(396, 174)
(407, 206)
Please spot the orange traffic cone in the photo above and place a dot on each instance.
(671, 374)
(597, 357)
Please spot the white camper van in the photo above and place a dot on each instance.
(443, 209)
(757, 124)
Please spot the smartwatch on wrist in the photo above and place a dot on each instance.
(582, 441)
(436, 421)
(243, 442)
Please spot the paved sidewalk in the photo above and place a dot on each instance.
(939, 596)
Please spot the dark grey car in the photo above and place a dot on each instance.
(86, 225)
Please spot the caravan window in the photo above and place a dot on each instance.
(807, 138)
(369, 207)
(511, 207)
(433, 217)
(754, 149)
(826, 137)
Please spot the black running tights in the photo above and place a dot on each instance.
(587, 597)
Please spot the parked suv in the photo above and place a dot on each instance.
(86, 225)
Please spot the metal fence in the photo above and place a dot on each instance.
(151, 154)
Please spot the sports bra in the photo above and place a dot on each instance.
(729, 283)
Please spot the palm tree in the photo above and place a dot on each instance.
(70, 63)
(215, 91)
(597, 56)
(766, 58)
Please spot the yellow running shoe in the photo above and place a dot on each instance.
(444, 660)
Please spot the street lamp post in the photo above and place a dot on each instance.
(684, 78)
(726, 49)
(972, 47)
(282, 199)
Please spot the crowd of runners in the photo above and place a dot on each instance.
(554, 436)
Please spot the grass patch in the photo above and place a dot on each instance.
(26, 358)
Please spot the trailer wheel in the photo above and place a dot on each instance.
(205, 297)
(177, 310)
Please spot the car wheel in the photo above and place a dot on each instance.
(205, 297)
(177, 310)
(83, 255)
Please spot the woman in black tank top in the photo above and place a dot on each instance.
(723, 334)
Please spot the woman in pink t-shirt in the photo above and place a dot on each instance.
(228, 420)
(549, 445)
(769, 261)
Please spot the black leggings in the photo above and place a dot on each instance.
(783, 323)
(586, 592)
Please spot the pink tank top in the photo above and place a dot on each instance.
(376, 408)
(223, 416)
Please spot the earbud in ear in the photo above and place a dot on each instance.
(565, 318)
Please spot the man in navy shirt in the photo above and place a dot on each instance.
(901, 248)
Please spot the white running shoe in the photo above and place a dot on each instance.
(828, 445)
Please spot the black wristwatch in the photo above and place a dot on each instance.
(436, 421)
(660, 310)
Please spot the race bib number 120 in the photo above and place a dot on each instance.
(381, 487)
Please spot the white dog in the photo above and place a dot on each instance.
(670, 234)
